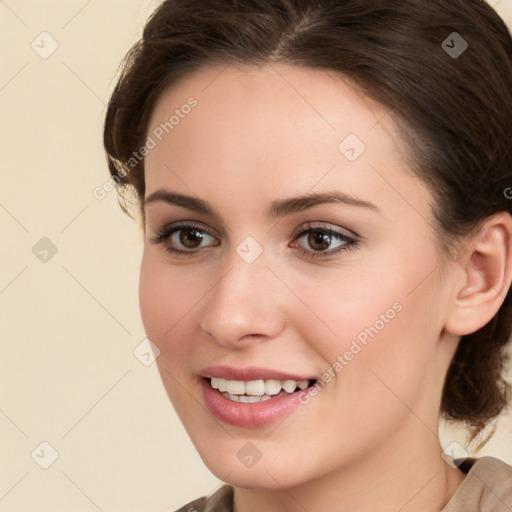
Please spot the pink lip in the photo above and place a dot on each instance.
(250, 373)
(247, 415)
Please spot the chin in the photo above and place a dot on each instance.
(271, 471)
(253, 478)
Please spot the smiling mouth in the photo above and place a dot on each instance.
(255, 391)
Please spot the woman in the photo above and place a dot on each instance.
(324, 193)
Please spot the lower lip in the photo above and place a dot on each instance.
(240, 414)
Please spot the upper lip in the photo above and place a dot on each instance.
(249, 373)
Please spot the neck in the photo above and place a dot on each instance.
(408, 474)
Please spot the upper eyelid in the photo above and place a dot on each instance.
(304, 228)
(183, 224)
(327, 226)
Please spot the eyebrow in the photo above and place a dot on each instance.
(278, 208)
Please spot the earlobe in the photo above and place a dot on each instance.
(487, 274)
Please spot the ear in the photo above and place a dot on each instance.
(486, 274)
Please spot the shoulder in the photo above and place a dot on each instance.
(488, 486)
(220, 501)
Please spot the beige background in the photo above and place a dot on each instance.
(70, 324)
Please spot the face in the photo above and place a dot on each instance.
(285, 240)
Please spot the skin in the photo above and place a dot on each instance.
(369, 439)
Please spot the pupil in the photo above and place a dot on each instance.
(319, 240)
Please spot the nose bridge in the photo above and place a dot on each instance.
(243, 302)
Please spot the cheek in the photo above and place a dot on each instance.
(165, 302)
(153, 299)
(383, 324)
(165, 297)
(349, 306)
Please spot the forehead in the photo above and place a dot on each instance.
(320, 99)
(276, 127)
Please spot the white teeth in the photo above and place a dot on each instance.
(236, 387)
(245, 391)
(255, 387)
(220, 384)
(272, 387)
(289, 386)
(253, 399)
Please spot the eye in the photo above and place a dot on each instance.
(322, 241)
(184, 239)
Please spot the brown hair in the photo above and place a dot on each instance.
(454, 112)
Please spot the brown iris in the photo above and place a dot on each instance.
(319, 240)
(191, 238)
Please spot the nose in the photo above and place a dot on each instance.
(246, 304)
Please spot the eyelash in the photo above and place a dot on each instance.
(349, 243)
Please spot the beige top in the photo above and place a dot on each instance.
(486, 488)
